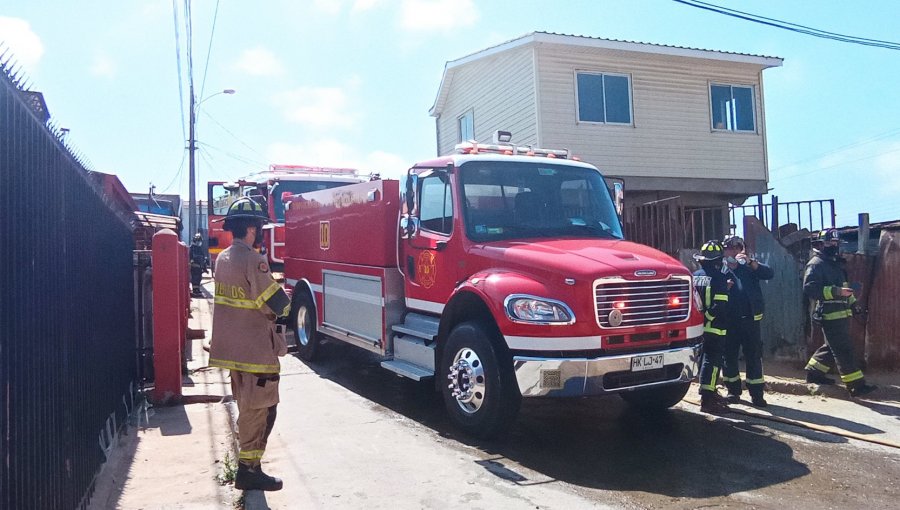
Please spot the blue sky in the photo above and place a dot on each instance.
(350, 82)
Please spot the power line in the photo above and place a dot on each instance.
(209, 50)
(835, 165)
(793, 27)
(875, 138)
(178, 63)
(233, 135)
(236, 157)
(177, 174)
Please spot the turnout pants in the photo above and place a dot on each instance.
(257, 400)
(744, 336)
(837, 350)
(711, 362)
(196, 276)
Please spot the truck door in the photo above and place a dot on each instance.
(429, 258)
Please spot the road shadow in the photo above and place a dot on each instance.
(822, 419)
(597, 443)
(885, 409)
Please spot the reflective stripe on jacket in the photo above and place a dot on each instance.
(247, 301)
(822, 282)
(713, 291)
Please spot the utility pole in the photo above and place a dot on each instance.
(192, 191)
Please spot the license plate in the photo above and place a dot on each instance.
(639, 363)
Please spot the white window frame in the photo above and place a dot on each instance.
(752, 107)
(470, 115)
(628, 77)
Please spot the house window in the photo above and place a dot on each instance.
(732, 108)
(604, 98)
(466, 127)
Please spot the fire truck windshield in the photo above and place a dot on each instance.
(514, 200)
(297, 187)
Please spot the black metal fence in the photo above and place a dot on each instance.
(67, 329)
(812, 215)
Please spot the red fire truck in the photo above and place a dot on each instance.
(269, 188)
(499, 272)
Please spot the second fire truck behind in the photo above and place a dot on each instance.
(500, 273)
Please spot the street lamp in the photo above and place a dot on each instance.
(192, 192)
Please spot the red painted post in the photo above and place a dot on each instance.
(170, 308)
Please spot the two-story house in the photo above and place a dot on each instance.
(683, 127)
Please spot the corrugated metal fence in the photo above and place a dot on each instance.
(67, 329)
(875, 336)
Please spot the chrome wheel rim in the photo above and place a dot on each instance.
(467, 380)
(304, 327)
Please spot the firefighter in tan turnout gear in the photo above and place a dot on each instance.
(245, 339)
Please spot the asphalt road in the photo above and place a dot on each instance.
(381, 441)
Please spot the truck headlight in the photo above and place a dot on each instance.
(537, 310)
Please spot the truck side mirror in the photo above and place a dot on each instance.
(409, 226)
(410, 192)
(619, 197)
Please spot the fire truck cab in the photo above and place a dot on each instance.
(269, 188)
(498, 272)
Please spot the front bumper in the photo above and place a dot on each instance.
(577, 377)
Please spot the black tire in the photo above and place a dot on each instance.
(303, 323)
(656, 399)
(482, 371)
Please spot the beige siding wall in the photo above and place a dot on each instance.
(500, 91)
(671, 135)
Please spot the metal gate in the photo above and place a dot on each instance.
(67, 331)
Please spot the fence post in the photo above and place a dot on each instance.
(775, 220)
(169, 314)
(862, 241)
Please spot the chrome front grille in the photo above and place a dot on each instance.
(642, 303)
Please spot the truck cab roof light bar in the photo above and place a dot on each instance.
(511, 150)
(303, 169)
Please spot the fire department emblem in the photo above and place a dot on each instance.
(615, 318)
(425, 268)
(324, 235)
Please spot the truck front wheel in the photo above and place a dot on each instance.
(303, 322)
(657, 398)
(480, 392)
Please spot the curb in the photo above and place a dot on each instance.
(798, 387)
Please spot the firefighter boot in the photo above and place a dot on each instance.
(817, 377)
(712, 403)
(859, 388)
(758, 399)
(249, 478)
(734, 391)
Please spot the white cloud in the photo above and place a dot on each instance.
(360, 6)
(334, 153)
(332, 7)
(259, 62)
(318, 107)
(446, 15)
(24, 45)
(103, 66)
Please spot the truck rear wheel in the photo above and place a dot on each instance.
(303, 322)
(480, 393)
(657, 398)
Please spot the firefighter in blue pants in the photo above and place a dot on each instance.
(747, 308)
(825, 284)
(713, 287)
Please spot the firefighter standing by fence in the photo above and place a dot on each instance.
(747, 308)
(199, 263)
(245, 339)
(825, 284)
(713, 287)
